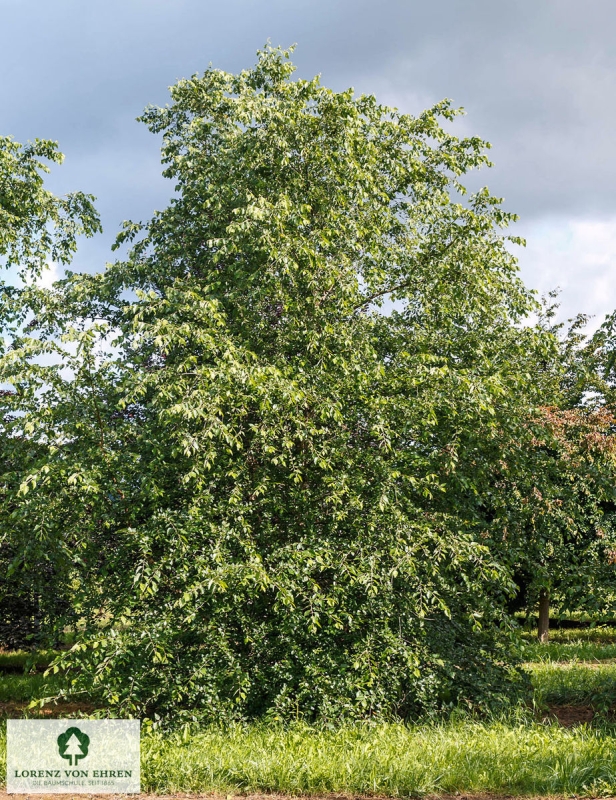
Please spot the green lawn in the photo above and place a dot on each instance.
(574, 650)
(19, 660)
(20, 688)
(574, 684)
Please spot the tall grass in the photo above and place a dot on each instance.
(508, 756)
(505, 757)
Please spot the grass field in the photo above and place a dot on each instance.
(520, 757)
(528, 752)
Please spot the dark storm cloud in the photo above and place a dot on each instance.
(537, 77)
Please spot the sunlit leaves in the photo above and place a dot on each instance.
(272, 424)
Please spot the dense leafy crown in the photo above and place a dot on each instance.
(279, 489)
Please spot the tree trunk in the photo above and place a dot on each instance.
(544, 615)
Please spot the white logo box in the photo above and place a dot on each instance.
(77, 756)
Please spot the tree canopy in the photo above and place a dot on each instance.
(285, 450)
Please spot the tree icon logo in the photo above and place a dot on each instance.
(73, 745)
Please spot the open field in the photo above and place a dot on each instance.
(528, 752)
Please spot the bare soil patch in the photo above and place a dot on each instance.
(54, 710)
(569, 716)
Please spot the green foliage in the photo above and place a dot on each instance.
(261, 492)
(573, 498)
(556, 486)
(284, 456)
(35, 228)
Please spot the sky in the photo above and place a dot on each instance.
(537, 79)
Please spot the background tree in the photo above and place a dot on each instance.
(550, 501)
(35, 228)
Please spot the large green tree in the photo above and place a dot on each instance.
(265, 433)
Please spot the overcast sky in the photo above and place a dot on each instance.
(536, 77)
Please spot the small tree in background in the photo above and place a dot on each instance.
(36, 228)
(545, 496)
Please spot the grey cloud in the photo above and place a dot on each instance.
(537, 78)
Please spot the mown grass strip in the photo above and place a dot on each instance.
(604, 634)
(574, 684)
(569, 651)
(21, 659)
